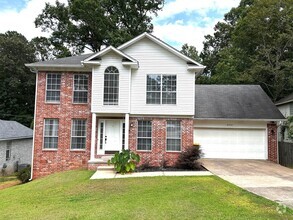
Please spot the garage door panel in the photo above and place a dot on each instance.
(231, 143)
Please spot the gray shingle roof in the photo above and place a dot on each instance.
(234, 102)
(286, 99)
(14, 130)
(74, 60)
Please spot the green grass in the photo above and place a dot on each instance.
(7, 178)
(71, 195)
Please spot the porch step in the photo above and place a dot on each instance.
(105, 168)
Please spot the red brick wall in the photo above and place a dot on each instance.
(272, 142)
(158, 156)
(50, 161)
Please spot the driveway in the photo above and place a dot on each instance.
(260, 177)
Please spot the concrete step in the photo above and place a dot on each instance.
(106, 168)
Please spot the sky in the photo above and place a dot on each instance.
(180, 21)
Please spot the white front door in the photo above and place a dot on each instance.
(110, 136)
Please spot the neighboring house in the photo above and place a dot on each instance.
(142, 96)
(16, 143)
(285, 105)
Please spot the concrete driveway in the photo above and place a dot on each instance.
(260, 177)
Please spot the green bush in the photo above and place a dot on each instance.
(24, 175)
(125, 161)
(188, 158)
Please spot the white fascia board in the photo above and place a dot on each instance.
(237, 119)
(283, 103)
(131, 64)
(107, 50)
(162, 44)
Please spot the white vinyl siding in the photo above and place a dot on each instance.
(153, 59)
(53, 86)
(80, 88)
(110, 59)
(51, 127)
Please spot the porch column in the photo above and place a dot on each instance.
(126, 131)
(93, 137)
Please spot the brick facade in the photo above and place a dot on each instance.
(158, 156)
(50, 161)
(272, 142)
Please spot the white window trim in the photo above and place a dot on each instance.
(161, 91)
(173, 138)
(118, 102)
(71, 136)
(50, 149)
(145, 137)
(8, 148)
(53, 102)
(73, 90)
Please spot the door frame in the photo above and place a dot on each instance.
(100, 146)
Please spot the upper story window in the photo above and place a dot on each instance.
(53, 87)
(51, 133)
(80, 88)
(161, 89)
(111, 86)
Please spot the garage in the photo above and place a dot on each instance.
(235, 122)
(236, 143)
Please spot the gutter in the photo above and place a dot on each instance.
(34, 130)
(238, 119)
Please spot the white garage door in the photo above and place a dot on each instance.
(232, 143)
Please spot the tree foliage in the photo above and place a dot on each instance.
(93, 23)
(254, 44)
(191, 52)
(17, 83)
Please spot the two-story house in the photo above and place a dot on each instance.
(142, 96)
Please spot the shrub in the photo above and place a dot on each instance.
(24, 174)
(125, 161)
(188, 158)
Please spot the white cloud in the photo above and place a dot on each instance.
(190, 31)
(180, 34)
(201, 7)
(23, 21)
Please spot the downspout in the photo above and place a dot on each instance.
(35, 110)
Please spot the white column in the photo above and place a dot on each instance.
(126, 131)
(93, 137)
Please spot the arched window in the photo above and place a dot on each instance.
(111, 86)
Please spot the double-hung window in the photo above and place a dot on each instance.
(173, 136)
(53, 87)
(80, 88)
(161, 89)
(51, 133)
(144, 135)
(8, 150)
(78, 134)
(111, 86)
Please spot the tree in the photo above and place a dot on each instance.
(257, 48)
(45, 50)
(91, 24)
(191, 52)
(17, 83)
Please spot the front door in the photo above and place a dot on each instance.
(110, 136)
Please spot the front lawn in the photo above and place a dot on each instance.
(71, 195)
